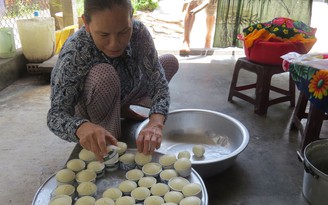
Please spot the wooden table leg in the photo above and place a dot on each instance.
(299, 113)
(313, 126)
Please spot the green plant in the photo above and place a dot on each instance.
(79, 7)
(145, 5)
(19, 8)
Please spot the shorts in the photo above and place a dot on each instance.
(211, 8)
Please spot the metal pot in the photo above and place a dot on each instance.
(315, 180)
(223, 137)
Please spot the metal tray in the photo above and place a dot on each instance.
(110, 179)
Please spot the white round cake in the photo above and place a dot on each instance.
(65, 176)
(177, 183)
(159, 189)
(184, 154)
(142, 159)
(96, 166)
(85, 200)
(154, 200)
(86, 175)
(105, 201)
(61, 200)
(86, 189)
(198, 150)
(64, 189)
(125, 200)
(147, 182)
(87, 155)
(173, 196)
(127, 186)
(167, 174)
(140, 193)
(190, 200)
(152, 169)
(134, 174)
(127, 158)
(192, 189)
(167, 160)
(75, 165)
(113, 193)
(123, 147)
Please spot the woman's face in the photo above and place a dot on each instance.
(111, 30)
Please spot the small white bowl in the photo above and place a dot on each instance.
(134, 175)
(140, 194)
(159, 189)
(169, 203)
(127, 161)
(141, 159)
(64, 189)
(85, 200)
(125, 200)
(127, 186)
(147, 182)
(177, 183)
(167, 174)
(105, 201)
(87, 156)
(152, 169)
(113, 193)
(86, 175)
(97, 167)
(192, 189)
(173, 196)
(167, 161)
(190, 200)
(154, 200)
(65, 176)
(61, 200)
(111, 159)
(75, 165)
(86, 189)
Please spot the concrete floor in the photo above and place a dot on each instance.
(266, 172)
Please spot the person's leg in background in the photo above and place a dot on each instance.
(210, 22)
(188, 24)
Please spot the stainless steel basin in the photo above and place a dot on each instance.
(223, 137)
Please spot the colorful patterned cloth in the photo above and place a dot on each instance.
(310, 74)
(279, 30)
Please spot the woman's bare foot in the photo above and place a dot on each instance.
(208, 42)
(128, 113)
(185, 49)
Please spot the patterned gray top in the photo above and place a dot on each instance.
(137, 68)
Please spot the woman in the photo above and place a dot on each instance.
(102, 69)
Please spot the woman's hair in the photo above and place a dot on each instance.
(92, 6)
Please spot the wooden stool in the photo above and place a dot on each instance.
(262, 86)
(312, 129)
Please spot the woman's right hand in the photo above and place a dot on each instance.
(95, 138)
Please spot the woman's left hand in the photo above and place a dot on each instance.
(150, 138)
